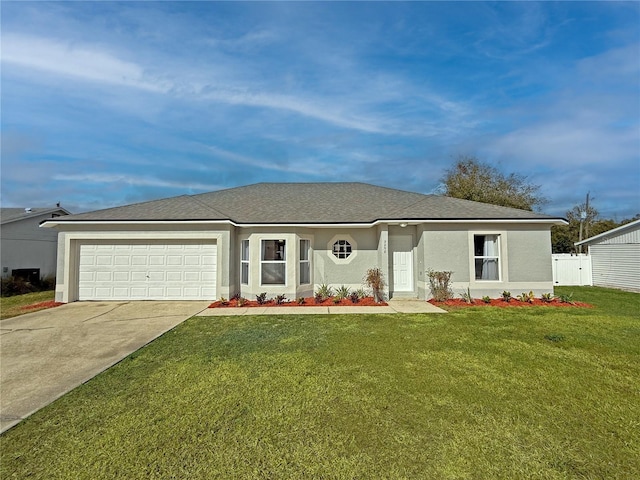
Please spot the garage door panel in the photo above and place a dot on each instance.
(102, 291)
(87, 277)
(208, 276)
(138, 276)
(157, 260)
(175, 277)
(139, 260)
(154, 271)
(191, 260)
(174, 260)
(156, 276)
(104, 276)
(104, 260)
(192, 276)
(121, 276)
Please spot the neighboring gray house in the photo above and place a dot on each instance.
(615, 257)
(27, 250)
(288, 238)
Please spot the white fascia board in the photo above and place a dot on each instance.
(608, 233)
(33, 215)
(54, 223)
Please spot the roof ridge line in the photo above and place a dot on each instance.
(209, 207)
(424, 197)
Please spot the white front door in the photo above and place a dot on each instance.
(402, 263)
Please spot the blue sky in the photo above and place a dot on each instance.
(105, 104)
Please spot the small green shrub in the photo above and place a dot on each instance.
(241, 301)
(11, 286)
(527, 297)
(47, 283)
(300, 300)
(546, 297)
(564, 298)
(466, 296)
(439, 284)
(335, 300)
(261, 298)
(324, 291)
(280, 299)
(361, 293)
(343, 292)
(506, 296)
(486, 299)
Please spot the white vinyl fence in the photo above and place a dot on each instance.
(571, 269)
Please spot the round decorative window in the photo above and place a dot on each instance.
(342, 249)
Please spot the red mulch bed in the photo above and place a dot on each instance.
(308, 302)
(47, 304)
(498, 302)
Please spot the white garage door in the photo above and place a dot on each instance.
(148, 270)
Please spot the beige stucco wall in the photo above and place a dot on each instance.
(25, 245)
(525, 257)
(325, 268)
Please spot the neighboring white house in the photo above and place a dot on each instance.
(288, 238)
(615, 257)
(27, 250)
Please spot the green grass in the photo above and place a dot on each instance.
(546, 393)
(12, 306)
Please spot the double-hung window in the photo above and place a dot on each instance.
(244, 262)
(305, 263)
(486, 257)
(273, 262)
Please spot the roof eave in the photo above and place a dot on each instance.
(37, 214)
(49, 223)
(608, 233)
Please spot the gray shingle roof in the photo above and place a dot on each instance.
(295, 203)
(12, 214)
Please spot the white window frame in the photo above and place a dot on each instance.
(301, 261)
(347, 238)
(282, 261)
(344, 250)
(245, 261)
(497, 256)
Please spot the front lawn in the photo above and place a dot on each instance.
(478, 393)
(14, 306)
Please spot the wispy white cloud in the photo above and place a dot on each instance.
(302, 166)
(356, 110)
(568, 143)
(83, 62)
(134, 180)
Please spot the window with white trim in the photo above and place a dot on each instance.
(244, 262)
(273, 262)
(342, 249)
(486, 256)
(305, 262)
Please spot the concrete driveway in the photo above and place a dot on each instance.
(45, 354)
